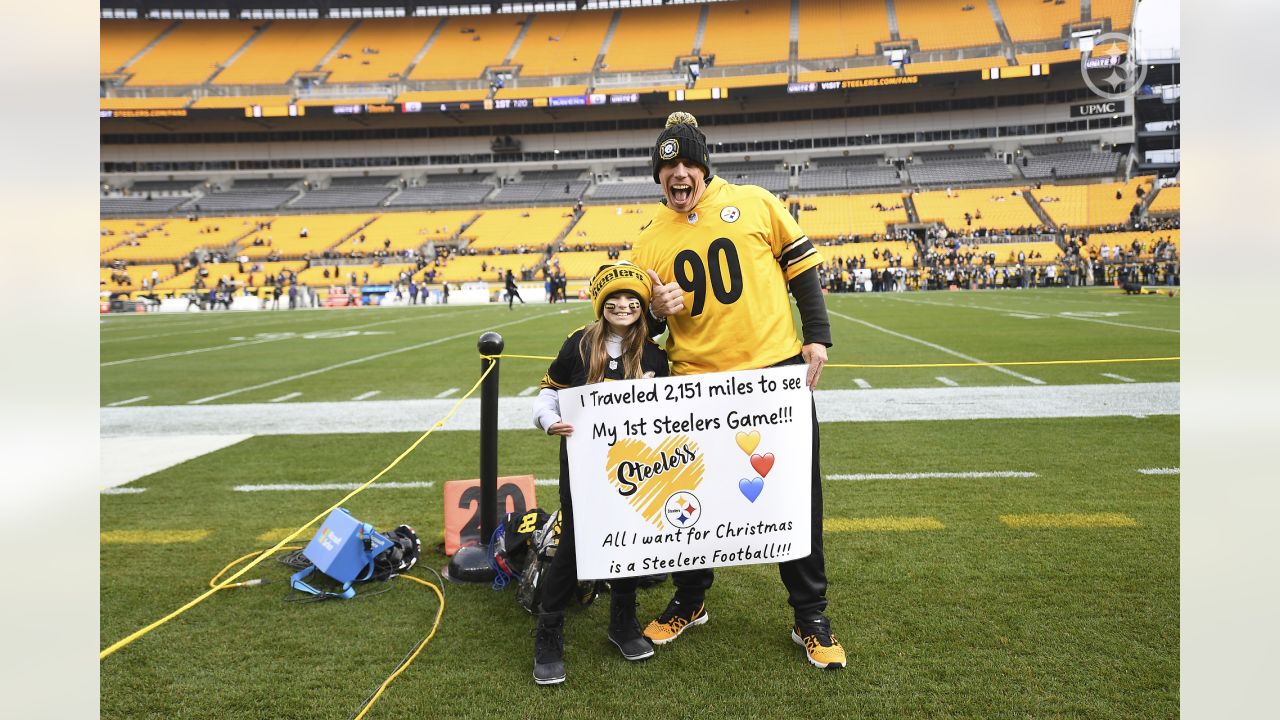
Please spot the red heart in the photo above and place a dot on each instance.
(762, 463)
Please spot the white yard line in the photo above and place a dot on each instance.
(130, 401)
(367, 395)
(974, 474)
(122, 491)
(286, 487)
(125, 459)
(447, 393)
(282, 398)
(1121, 378)
(966, 402)
(528, 391)
(547, 481)
(194, 351)
(357, 361)
(935, 346)
(1160, 471)
(1040, 314)
(862, 383)
(947, 381)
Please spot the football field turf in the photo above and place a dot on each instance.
(1003, 567)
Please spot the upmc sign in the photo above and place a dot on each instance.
(1108, 107)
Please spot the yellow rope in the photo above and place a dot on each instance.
(278, 546)
(213, 581)
(926, 365)
(436, 625)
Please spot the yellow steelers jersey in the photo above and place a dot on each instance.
(733, 256)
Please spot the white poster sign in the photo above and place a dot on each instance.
(690, 472)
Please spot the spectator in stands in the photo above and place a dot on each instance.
(773, 257)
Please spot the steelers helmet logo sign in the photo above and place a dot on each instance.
(682, 509)
(730, 214)
(669, 148)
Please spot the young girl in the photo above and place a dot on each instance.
(616, 346)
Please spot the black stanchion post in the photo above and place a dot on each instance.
(471, 563)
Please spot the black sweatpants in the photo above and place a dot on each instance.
(804, 578)
(562, 576)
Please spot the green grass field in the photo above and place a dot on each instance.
(1047, 596)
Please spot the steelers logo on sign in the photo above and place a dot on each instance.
(669, 148)
(730, 214)
(682, 509)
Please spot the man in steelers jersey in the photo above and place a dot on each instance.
(722, 259)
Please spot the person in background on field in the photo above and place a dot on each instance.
(737, 319)
(616, 346)
(513, 292)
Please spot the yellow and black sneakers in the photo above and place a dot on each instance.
(674, 620)
(820, 646)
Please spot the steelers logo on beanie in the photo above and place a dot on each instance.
(619, 277)
(681, 138)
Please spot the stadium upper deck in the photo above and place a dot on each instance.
(486, 56)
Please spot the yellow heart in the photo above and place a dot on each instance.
(748, 441)
(674, 472)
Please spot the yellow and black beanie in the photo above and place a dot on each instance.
(618, 277)
(681, 138)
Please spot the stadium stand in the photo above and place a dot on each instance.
(1120, 12)
(840, 173)
(341, 197)
(513, 228)
(440, 193)
(562, 43)
(741, 81)
(191, 52)
(535, 191)
(944, 24)
(140, 205)
(464, 46)
(830, 217)
(1007, 253)
(1028, 20)
(627, 190)
(996, 208)
(397, 232)
(351, 181)
(283, 235)
(650, 39)
(122, 39)
(253, 275)
(861, 23)
(1077, 164)
(1168, 200)
(733, 32)
(176, 239)
(261, 183)
(118, 232)
(1093, 205)
(529, 91)
(610, 225)
(378, 50)
(353, 275)
(1146, 239)
(164, 186)
(282, 49)
(1053, 56)
(241, 199)
(1058, 148)
(959, 172)
(481, 268)
(428, 97)
(583, 265)
(143, 103)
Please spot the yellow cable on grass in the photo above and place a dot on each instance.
(278, 546)
(434, 626)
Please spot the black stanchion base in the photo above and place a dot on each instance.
(470, 564)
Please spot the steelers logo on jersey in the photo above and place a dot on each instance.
(730, 214)
(669, 148)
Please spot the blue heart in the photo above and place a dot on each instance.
(751, 488)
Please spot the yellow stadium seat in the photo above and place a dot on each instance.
(284, 234)
(1028, 20)
(610, 225)
(583, 265)
(940, 24)
(513, 228)
(466, 45)
(1168, 200)
(878, 254)
(191, 53)
(841, 28)
(406, 230)
(834, 215)
(177, 238)
(948, 66)
(999, 208)
(284, 48)
(650, 39)
(562, 43)
(1079, 206)
(395, 42)
(747, 32)
(1120, 12)
(120, 40)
